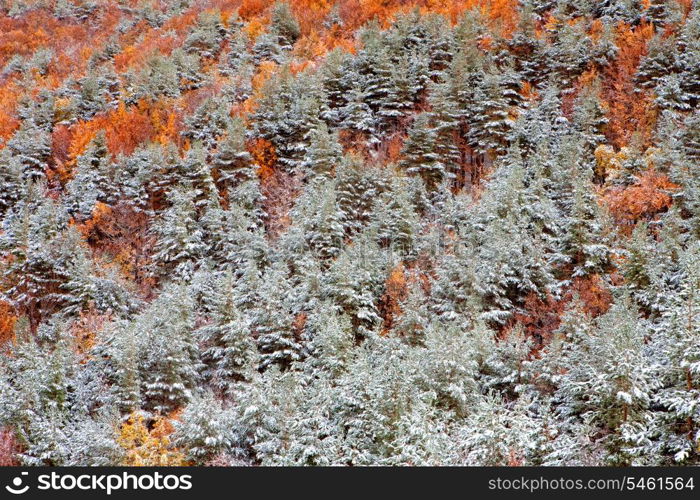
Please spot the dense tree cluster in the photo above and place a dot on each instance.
(341, 233)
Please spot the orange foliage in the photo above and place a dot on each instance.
(630, 112)
(280, 189)
(395, 292)
(263, 153)
(311, 13)
(82, 134)
(594, 294)
(504, 14)
(7, 322)
(182, 23)
(310, 48)
(254, 28)
(650, 195)
(99, 215)
(529, 92)
(585, 81)
(299, 324)
(252, 8)
(265, 71)
(24, 39)
(61, 140)
(8, 119)
(120, 234)
(125, 129)
(23, 35)
(390, 150)
(166, 123)
(540, 317)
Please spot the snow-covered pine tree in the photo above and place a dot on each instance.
(230, 352)
(324, 154)
(273, 321)
(92, 182)
(170, 368)
(676, 358)
(420, 155)
(32, 145)
(232, 163)
(205, 429)
(179, 238)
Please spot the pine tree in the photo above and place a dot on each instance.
(420, 155)
(677, 364)
(354, 282)
(32, 145)
(91, 183)
(12, 186)
(235, 235)
(238, 55)
(120, 351)
(37, 397)
(661, 57)
(284, 25)
(206, 35)
(288, 113)
(670, 94)
(689, 59)
(273, 321)
(179, 239)
(194, 175)
(357, 189)
(86, 287)
(569, 54)
(232, 163)
(324, 154)
(512, 434)
(589, 117)
(159, 78)
(170, 367)
(332, 340)
(491, 121)
(609, 381)
(230, 352)
(209, 121)
(450, 365)
(40, 252)
(394, 219)
(91, 441)
(584, 242)
(205, 429)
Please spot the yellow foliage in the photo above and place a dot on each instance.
(608, 163)
(148, 448)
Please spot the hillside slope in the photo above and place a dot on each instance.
(350, 233)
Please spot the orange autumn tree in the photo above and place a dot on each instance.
(125, 130)
(395, 292)
(7, 322)
(631, 110)
(263, 153)
(648, 196)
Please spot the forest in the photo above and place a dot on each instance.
(350, 232)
